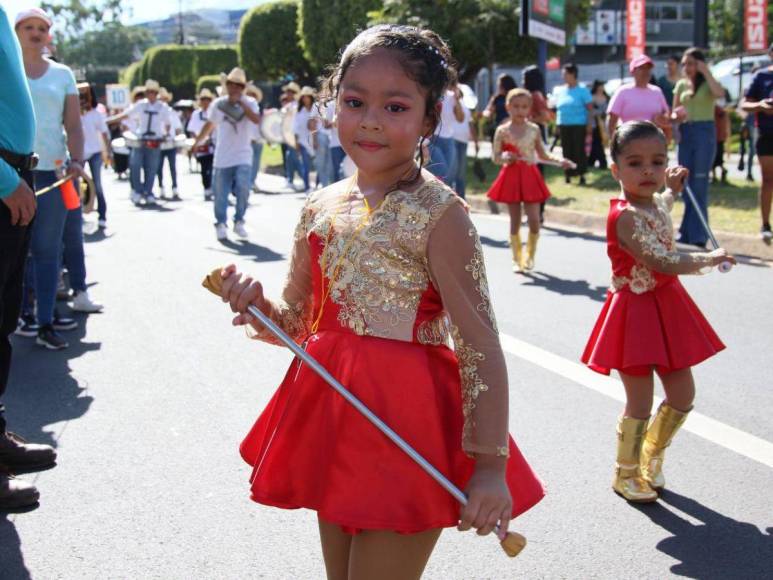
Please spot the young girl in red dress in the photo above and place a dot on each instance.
(386, 269)
(648, 324)
(517, 146)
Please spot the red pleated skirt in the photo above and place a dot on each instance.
(519, 182)
(311, 449)
(662, 329)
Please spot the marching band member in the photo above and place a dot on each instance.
(232, 114)
(385, 269)
(205, 152)
(649, 324)
(152, 118)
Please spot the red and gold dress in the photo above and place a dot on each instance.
(648, 320)
(400, 283)
(519, 181)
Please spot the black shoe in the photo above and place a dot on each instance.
(51, 339)
(64, 322)
(28, 326)
(567, 179)
(582, 181)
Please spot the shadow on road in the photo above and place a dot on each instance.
(719, 547)
(11, 559)
(573, 234)
(566, 287)
(486, 241)
(246, 248)
(41, 390)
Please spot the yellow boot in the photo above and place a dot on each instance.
(531, 250)
(628, 481)
(659, 435)
(515, 244)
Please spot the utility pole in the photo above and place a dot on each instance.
(181, 32)
(700, 35)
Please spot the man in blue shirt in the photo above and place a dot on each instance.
(17, 135)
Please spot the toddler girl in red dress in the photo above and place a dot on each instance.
(648, 324)
(517, 146)
(386, 270)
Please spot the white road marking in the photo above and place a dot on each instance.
(710, 429)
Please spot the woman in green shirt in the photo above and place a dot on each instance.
(694, 97)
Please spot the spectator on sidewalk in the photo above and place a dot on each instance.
(759, 101)
(441, 147)
(232, 115)
(722, 122)
(600, 136)
(669, 80)
(17, 209)
(573, 104)
(57, 230)
(639, 100)
(496, 109)
(463, 132)
(694, 98)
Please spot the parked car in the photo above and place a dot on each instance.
(728, 73)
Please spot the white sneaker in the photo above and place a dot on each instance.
(175, 194)
(136, 197)
(240, 230)
(221, 231)
(82, 302)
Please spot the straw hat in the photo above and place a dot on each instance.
(236, 76)
(205, 93)
(83, 86)
(136, 91)
(254, 91)
(308, 92)
(292, 86)
(164, 95)
(151, 85)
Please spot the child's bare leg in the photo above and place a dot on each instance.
(336, 547)
(515, 217)
(532, 215)
(638, 395)
(680, 389)
(384, 555)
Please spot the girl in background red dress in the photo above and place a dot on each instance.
(386, 269)
(648, 324)
(517, 147)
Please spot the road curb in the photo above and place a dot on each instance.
(737, 244)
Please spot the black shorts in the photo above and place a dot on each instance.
(764, 145)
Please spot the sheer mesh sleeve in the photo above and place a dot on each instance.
(293, 312)
(496, 146)
(456, 265)
(639, 237)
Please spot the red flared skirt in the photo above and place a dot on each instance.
(519, 182)
(662, 329)
(311, 449)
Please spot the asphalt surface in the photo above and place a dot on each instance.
(148, 405)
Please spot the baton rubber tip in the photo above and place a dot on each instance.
(513, 544)
(214, 281)
(725, 267)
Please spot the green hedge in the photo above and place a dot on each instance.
(174, 67)
(326, 27)
(209, 81)
(214, 59)
(132, 74)
(269, 47)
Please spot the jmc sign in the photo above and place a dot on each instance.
(755, 29)
(636, 29)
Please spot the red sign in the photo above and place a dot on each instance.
(755, 28)
(542, 7)
(636, 29)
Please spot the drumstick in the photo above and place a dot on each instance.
(54, 185)
(513, 542)
(723, 267)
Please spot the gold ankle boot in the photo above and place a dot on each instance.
(628, 481)
(531, 250)
(515, 244)
(659, 435)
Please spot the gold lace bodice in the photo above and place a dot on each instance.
(525, 144)
(390, 269)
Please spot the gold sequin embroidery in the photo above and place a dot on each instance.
(477, 270)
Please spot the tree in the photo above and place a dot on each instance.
(480, 32)
(269, 47)
(327, 26)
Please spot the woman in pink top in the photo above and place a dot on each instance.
(640, 100)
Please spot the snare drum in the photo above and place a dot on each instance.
(271, 127)
(119, 146)
(131, 140)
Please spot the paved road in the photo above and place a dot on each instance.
(148, 406)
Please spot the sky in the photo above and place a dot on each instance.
(142, 10)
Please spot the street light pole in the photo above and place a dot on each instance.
(181, 33)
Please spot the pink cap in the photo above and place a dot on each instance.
(33, 13)
(641, 60)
